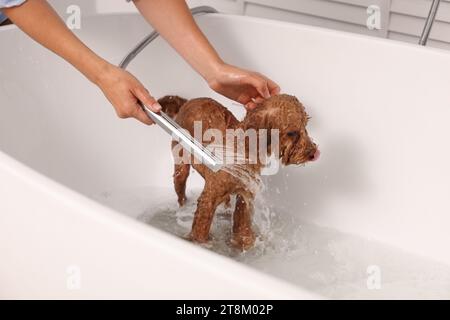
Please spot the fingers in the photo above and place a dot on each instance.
(250, 105)
(258, 100)
(264, 87)
(244, 98)
(249, 102)
(253, 103)
(144, 96)
(140, 115)
(126, 94)
(260, 84)
(273, 87)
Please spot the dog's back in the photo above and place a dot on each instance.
(209, 112)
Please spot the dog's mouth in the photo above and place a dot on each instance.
(314, 156)
(293, 154)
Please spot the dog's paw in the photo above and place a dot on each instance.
(201, 239)
(243, 242)
(182, 201)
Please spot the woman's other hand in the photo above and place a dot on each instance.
(243, 86)
(174, 22)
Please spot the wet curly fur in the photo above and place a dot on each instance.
(282, 112)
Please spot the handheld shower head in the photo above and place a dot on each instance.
(185, 139)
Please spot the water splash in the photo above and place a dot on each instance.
(315, 258)
(251, 180)
(178, 220)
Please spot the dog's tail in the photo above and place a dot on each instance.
(171, 104)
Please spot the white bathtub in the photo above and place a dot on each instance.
(371, 219)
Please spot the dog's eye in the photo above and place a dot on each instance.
(293, 134)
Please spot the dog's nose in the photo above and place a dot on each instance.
(315, 156)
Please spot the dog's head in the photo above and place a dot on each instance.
(287, 114)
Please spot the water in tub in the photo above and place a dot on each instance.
(323, 260)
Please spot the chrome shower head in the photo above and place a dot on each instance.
(185, 139)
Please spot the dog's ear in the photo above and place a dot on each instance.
(171, 104)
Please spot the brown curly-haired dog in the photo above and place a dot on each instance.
(282, 112)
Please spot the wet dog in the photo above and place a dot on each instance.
(282, 112)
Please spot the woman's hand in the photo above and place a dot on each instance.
(124, 92)
(40, 22)
(240, 85)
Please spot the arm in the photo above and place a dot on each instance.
(40, 22)
(176, 25)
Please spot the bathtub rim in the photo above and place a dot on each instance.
(280, 23)
(306, 27)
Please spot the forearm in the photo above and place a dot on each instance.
(38, 19)
(169, 17)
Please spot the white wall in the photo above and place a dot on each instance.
(400, 19)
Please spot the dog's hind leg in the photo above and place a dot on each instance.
(180, 175)
(243, 236)
(181, 172)
(206, 207)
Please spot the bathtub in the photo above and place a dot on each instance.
(87, 208)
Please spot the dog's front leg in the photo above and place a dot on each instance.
(206, 207)
(243, 236)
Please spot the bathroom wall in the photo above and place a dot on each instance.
(407, 18)
(399, 19)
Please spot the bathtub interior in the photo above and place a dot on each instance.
(377, 199)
